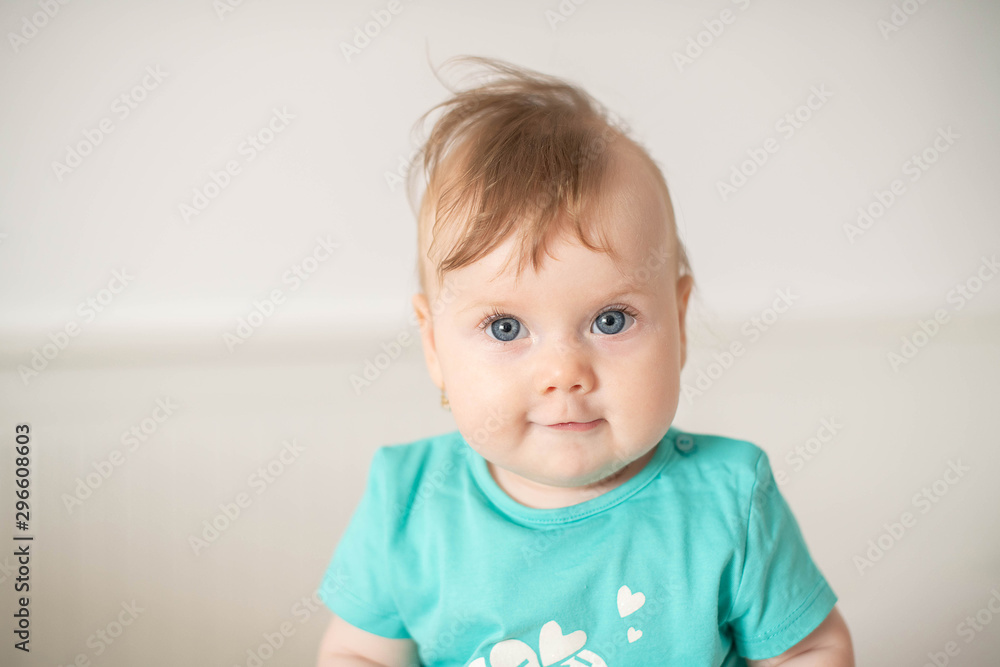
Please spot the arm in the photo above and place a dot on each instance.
(829, 645)
(344, 645)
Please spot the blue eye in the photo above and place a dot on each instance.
(611, 322)
(505, 329)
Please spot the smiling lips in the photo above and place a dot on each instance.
(576, 426)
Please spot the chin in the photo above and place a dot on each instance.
(575, 476)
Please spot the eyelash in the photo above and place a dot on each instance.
(498, 315)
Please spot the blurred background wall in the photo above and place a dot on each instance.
(170, 169)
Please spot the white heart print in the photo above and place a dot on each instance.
(512, 653)
(633, 635)
(554, 646)
(629, 602)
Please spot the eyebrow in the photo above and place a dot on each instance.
(507, 304)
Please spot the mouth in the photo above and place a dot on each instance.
(576, 426)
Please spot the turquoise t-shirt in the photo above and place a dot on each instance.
(696, 561)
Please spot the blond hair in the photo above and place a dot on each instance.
(523, 153)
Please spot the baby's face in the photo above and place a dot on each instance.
(582, 340)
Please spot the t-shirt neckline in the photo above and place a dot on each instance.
(559, 515)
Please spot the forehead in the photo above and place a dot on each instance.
(630, 212)
(631, 215)
(568, 266)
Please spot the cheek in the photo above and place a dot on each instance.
(465, 373)
(482, 394)
(487, 416)
(645, 382)
(454, 357)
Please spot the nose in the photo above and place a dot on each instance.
(565, 365)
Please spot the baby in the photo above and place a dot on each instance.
(566, 521)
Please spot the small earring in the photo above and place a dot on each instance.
(444, 401)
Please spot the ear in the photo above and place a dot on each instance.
(422, 308)
(684, 285)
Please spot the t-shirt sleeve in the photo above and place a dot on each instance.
(356, 585)
(782, 596)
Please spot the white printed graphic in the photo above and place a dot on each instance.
(558, 648)
(513, 653)
(554, 647)
(629, 602)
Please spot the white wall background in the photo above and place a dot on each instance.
(324, 175)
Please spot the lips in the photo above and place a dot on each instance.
(575, 426)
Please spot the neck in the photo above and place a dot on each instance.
(544, 496)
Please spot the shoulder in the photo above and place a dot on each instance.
(709, 449)
(420, 458)
(708, 458)
(403, 474)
